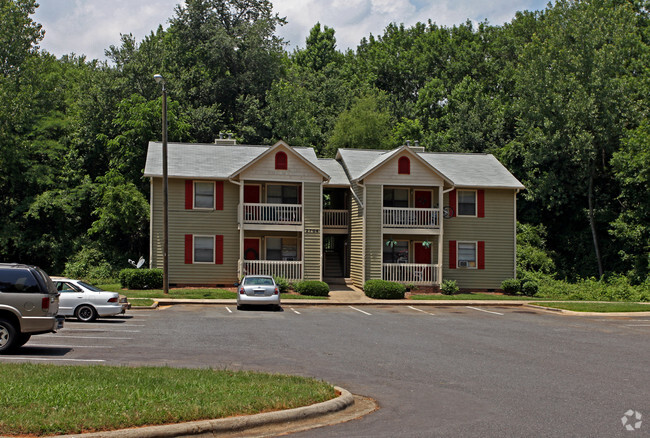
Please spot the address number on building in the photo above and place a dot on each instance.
(312, 230)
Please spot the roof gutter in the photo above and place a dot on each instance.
(355, 195)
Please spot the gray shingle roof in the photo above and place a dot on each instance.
(199, 160)
(463, 169)
(472, 170)
(335, 170)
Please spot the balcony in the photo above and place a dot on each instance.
(291, 270)
(336, 220)
(410, 273)
(411, 218)
(272, 216)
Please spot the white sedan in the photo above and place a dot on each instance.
(86, 302)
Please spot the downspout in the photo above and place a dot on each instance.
(441, 238)
(240, 215)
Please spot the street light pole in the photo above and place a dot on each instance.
(161, 81)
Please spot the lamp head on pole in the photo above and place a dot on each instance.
(159, 78)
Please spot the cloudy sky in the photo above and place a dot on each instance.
(91, 26)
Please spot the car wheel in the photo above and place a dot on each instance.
(22, 339)
(7, 336)
(85, 313)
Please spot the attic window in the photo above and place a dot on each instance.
(404, 166)
(281, 161)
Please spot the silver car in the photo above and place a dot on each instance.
(258, 290)
(86, 302)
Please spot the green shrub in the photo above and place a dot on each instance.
(449, 287)
(141, 278)
(282, 283)
(529, 287)
(511, 286)
(382, 289)
(89, 264)
(314, 288)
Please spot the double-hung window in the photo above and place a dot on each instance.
(467, 254)
(466, 203)
(203, 249)
(204, 194)
(281, 248)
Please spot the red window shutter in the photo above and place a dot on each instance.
(452, 254)
(452, 202)
(404, 166)
(218, 195)
(189, 194)
(218, 249)
(480, 203)
(189, 250)
(481, 254)
(281, 161)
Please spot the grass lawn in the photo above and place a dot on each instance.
(472, 296)
(141, 302)
(41, 399)
(598, 307)
(190, 293)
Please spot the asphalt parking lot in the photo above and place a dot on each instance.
(443, 371)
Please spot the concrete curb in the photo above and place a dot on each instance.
(231, 424)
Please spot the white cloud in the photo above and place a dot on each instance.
(91, 26)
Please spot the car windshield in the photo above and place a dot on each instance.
(89, 287)
(258, 281)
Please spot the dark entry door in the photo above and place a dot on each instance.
(423, 199)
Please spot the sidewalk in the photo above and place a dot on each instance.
(350, 295)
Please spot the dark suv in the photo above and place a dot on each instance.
(29, 303)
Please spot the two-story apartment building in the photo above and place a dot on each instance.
(402, 215)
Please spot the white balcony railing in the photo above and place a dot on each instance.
(410, 273)
(395, 217)
(336, 218)
(290, 270)
(289, 214)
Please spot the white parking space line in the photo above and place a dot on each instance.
(294, 311)
(486, 311)
(49, 358)
(637, 325)
(359, 310)
(228, 309)
(68, 346)
(83, 330)
(99, 324)
(61, 335)
(420, 310)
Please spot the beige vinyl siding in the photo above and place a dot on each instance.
(297, 169)
(373, 236)
(421, 174)
(356, 238)
(496, 229)
(197, 222)
(312, 204)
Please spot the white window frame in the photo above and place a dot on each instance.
(458, 260)
(475, 202)
(409, 194)
(194, 261)
(194, 207)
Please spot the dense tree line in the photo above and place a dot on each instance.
(559, 96)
